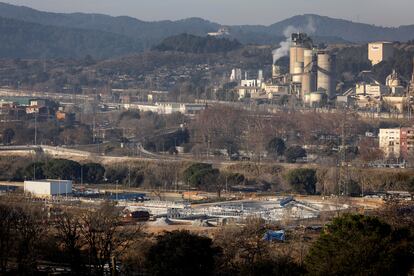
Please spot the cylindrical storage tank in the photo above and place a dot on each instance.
(308, 78)
(326, 75)
(296, 55)
(297, 72)
(306, 84)
(307, 59)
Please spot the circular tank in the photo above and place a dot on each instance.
(296, 55)
(307, 58)
(326, 78)
(297, 72)
(308, 78)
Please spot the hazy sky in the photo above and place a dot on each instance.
(379, 12)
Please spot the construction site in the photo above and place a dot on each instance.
(272, 209)
(191, 210)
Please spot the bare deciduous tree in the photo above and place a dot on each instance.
(8, 218)
(30, 228)
(105, 238)
(68, 232)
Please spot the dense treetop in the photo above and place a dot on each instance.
(197, 44)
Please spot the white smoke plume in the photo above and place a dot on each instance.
(283, 50)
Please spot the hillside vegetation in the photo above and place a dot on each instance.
(28, 40)
(195, 44)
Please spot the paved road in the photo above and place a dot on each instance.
(14, 184)
(81, 155)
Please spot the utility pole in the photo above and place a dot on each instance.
(35, 143)
(35, 134)
(129, 175)
(34, 170)
(343, 164)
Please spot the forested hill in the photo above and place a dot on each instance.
(147, 33)
(196, 44)
(152, 33)
(26, 32)
(19, 39)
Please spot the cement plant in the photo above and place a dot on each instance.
(175, 145)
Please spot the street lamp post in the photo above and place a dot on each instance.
(116, 189)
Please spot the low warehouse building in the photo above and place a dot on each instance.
(47, 188)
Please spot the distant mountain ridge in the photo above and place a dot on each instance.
(132, 34)
(20, 39)
(350, 31)
(149, 33)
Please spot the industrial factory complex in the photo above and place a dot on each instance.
(312, 80)
(311, 77)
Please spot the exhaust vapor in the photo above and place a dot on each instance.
(283, 50)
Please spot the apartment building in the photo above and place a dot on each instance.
(397, 142)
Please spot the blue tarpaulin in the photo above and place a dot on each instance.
(285, 201)
(274, 235)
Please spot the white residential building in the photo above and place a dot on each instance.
(389, 141)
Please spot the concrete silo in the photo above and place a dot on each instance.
(326, 73)
(300, 42)
(297, 72)
(296, 55)
(309, 74)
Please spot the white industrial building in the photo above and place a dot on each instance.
(167, 107)
(223, 31)
(374, 89)
(47, 188)
(380, 51)
(248, 88)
